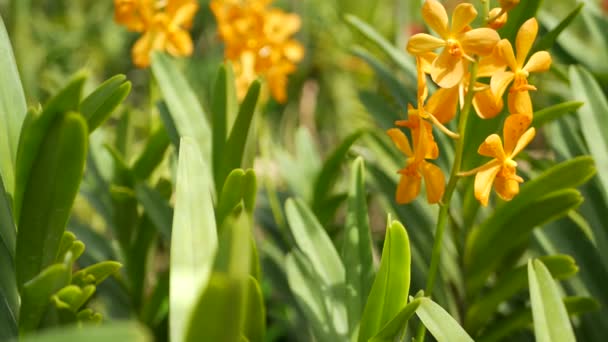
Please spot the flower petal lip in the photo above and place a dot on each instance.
(492, 147)
(525, 139)
(480, 41)
(448, 70)
(434, 181)
(524, 40)
(538, 62)
(421, 43)
(514, 127)
(409, 186)
(506, 187)
(519, 102)
(436, 17)
(401, 141)
(500, 81)
(462, 16)
(483, 183)
(486, 104)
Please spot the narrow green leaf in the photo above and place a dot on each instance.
(194, 236)
(231, 195)
(255, 316)
(123, 331)
(185, 110)
(548, 40)
(156, 207)
(554, 112)
(169, 123)
(9, 297)
(12, 111)
(57, 170)
(551, 322)
(391, 331)
(99, 105)
(153, 153)
(75, 296)
(36, 295)
(439, 323)
(96, 273)
(356, 251)
(219, 119)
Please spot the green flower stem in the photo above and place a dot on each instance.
(449, 191)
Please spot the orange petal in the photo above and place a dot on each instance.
(141, 50)
(427, 60)
(500, 81)
(523, 141)
(492, 147)
(434, 182)
(436, 17)
(447, 70)
(520, 102)
(499, 22)
(179, 43)
(443, 104)
(525, 38)
(409, 186)
(504, 50)
(184, 14)
(538, 62)
(422, 43)
(480, 41)
(401, 141)
(483, 183)
(506, 187)
(515, 125)
(491, 64)
(462, 16)
(486, 104)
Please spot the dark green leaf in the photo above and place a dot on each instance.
(554, 112)
(153, 153)
(156, 207)
(219, 119)
(9, 297)
(100, 104)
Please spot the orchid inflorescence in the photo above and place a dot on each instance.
(465, 56)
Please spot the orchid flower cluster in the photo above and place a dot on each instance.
(163, 24)
(456, 61)
(258, 42)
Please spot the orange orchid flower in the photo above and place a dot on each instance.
(417, 167)
(501, 171)
(459, 41)
(519, 96)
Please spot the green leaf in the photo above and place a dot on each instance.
(593, 118)
(194, 236)
(156, 207)
(233, 153)
(36, 295)
(551, 322)
(439, 323)
(34, 132)
(96, 273)
(548, 40)
(391, 331)
(219, 121)
(99, 105)
(185, 110)
(396, 55)
(356, 252)
(48, 196)
(75, 296)
(255, 316)
(389, 293)
(153, 153)
(517, 16)
(9, 297)
(554, 112)
(12, 111)
(123, 331)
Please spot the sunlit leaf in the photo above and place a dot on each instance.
(439, 323)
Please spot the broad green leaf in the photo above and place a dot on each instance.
(9, 297)
(551, 321)
(123, 331)
(34, 131)
(356, 251)
(548, 40)
(194, 236)
(99, 105)
(36, 295)
(396, 54)
(12, 111)
(391, 331)
(156, 207)
(390, 291)
(560, 266)
(517, 16)
(593, 118)
(96, 273)
(255, 316)
(48, 195)
(219, 122)
(331, 170)
(153, 153)
(233, 153)
(439, 323)
(551, 113)
(185, 110)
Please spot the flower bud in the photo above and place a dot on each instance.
(508, 4)
(498, 20)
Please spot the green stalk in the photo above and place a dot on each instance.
(449, 191)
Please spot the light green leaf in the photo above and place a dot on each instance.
(124, 331)
(554, 112)
(99, 105)
(96, 273)
(194, 236)
(439, 323)
(255, 316)
(548, 40)
(390, 291)
(551, 322)
(12, 111)
(75, 296)
(356, 251)
(391, 331)
(49, 194)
